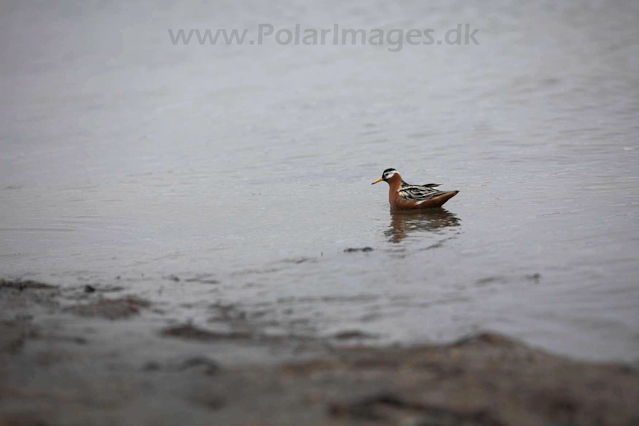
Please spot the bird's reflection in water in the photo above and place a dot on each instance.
(404, 223)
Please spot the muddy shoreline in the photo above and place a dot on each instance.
(97, 356)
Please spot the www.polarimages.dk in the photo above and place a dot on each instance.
(396, 38)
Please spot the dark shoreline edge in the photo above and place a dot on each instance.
(66, 359)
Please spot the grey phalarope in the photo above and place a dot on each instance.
(404, 196)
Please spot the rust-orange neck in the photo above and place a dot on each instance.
(394, 184)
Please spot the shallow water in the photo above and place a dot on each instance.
(244, 171)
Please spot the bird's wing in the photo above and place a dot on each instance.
(428, 185)
(419, 192)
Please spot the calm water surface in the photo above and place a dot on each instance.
(245, 170)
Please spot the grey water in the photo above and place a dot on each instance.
(238, 174)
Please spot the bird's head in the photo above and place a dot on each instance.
(387, 175)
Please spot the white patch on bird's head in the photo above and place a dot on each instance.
(389, 173)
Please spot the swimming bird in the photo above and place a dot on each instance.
(404, 196)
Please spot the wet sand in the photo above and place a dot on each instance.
(95, 356)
